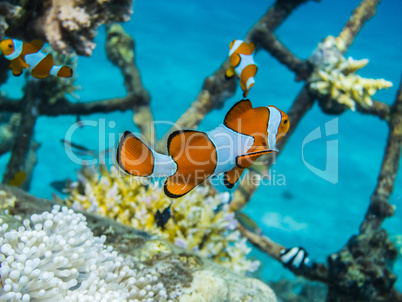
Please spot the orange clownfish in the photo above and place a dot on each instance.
(241, 55)
(193, 156)
(29, 55)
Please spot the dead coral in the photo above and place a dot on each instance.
(7, 11)
(68, 25)
(74, 23)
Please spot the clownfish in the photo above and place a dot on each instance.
(241, 55)
(193, 156)
(29, 55)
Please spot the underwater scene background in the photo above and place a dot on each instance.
(177, 45)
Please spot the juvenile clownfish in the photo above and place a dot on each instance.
(193, 156)
(241, 55)
(29, 55)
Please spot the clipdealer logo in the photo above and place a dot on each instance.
(331, 171)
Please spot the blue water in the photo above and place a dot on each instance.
(179, 43)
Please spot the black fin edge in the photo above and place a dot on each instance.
(120, 145)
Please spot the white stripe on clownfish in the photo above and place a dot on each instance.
(228, 145)
(250, 82)
(55, 69)
(164, 165)
(235, 46)
(274, 121)
(17, 50)
(33, 59)
(245, 60)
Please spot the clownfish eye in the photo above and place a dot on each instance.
(10, 45)
(285, 122)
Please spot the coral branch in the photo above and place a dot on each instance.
(120, 51)
(244, 191)
(379, 207)
(367, 255)
(365, 11)
(64, 107)
(317, 272)
(21, 145)
(9, 105)
(379, 109)
(270, 43)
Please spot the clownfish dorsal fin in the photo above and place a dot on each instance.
(235, 112)
(246, 160)
(38, 44)
(231, 177)
(196, 158)
(252, 46)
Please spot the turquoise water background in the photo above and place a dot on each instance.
(180, 43)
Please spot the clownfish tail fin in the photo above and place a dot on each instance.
(133, 156)
(62, 71)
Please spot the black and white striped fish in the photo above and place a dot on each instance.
(294, 257)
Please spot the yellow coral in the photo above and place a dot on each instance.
(335, 78)
(194, 225)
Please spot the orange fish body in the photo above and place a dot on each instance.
(24, 55)
(193, 156)
(241, 55)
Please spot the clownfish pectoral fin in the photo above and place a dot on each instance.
(235, 60)
(23, 63)
(246, 160)
(230, 72)
(16, 68)
(195, 156)
(231, 177)
(38, 44)
(133, 156)
(16, 71)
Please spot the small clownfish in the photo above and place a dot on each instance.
(29, 55)
(241, 55)
(193, 156)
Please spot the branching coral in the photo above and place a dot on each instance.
(73, 23)
(335, 79)
(195, 225)
(55, 257)
(7, 11)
